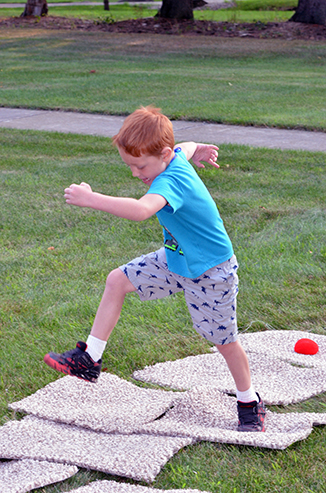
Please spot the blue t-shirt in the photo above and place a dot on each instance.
(191, 218)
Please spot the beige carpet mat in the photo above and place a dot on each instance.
(204, 413)
(121, 429)
(139, 457)
(20, 476)
(278, 382)
(110, 405)
(113, 487)
(280, 344)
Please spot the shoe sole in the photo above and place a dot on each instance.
(250, 429)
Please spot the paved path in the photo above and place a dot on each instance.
(107, 126)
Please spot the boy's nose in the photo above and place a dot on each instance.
(134, 171)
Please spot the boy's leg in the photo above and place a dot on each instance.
(150, 277)
(85, 360)
(108, 312)
(211, 299)
(251, 409)
(237, 362)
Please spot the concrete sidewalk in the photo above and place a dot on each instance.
(107, 126)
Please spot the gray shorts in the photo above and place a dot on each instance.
(211, 297)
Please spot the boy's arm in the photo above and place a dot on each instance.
(200, 152)
(128, 208)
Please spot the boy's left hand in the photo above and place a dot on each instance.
(207, 153)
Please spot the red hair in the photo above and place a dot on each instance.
(145, 131)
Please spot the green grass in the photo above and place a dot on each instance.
(246, 11)
(243, 15)
(266, 4)
(272, 202)
(250, 82)
(116, 13)
(52, 1)
(274, 208)
(120, 13)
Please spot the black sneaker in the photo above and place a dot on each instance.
(251, 415)
(75, 362)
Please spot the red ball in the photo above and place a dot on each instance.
(306, 346)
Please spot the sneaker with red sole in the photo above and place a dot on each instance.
(76, 362)
(251, 415)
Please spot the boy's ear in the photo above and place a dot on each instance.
(166, 153)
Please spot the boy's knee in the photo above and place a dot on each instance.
(115, 278)
(118, 281)
(228, 348)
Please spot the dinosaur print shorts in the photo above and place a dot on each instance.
(211, 297)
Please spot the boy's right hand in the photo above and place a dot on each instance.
(78, 194)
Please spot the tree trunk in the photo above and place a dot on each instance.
(106, 5)
(310, 12)
(176, 9)
(35, 8)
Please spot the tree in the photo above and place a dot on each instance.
(35, 8)
(40, 7)
(176, 9)
(310, 12)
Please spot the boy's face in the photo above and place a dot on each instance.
(147, 167)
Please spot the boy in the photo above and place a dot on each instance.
(197, 257)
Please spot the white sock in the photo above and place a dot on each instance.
(247, 396)
(95, 347)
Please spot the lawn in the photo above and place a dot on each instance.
(241, 11)
(55, 259)
(121, 12)
(240, 81)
